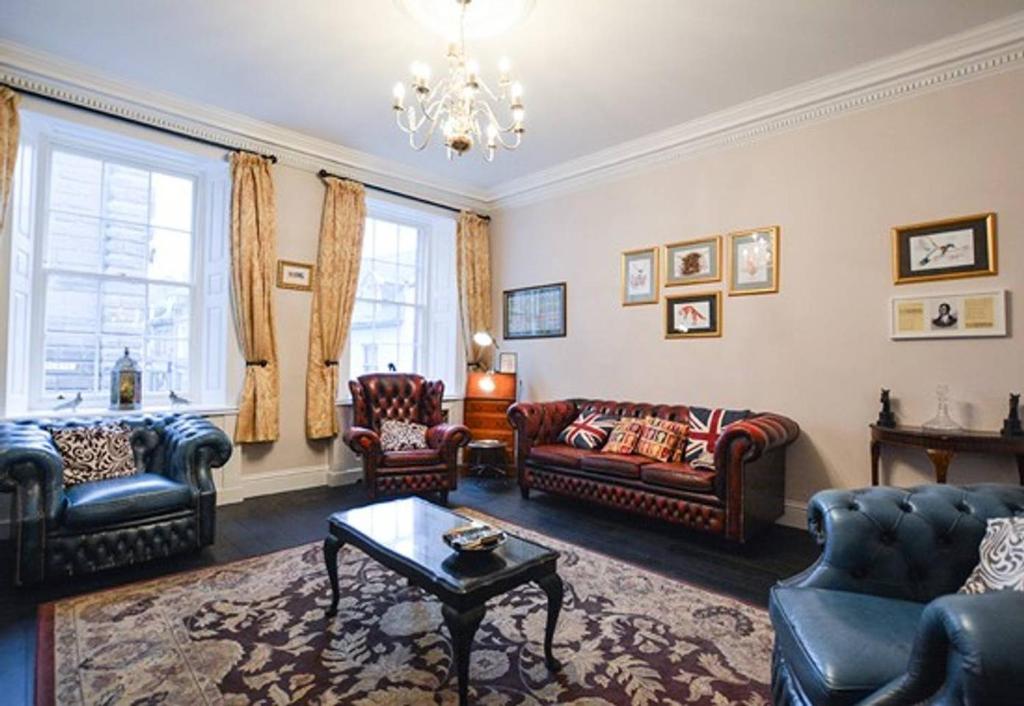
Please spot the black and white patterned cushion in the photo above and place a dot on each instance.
(402, 436)
(1001, 564)
(95, 452)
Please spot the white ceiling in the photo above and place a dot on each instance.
(596, 72)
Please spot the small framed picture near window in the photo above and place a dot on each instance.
(294, 275)
(947, 249)
(507, 363)
(693, 315)
(754, 261)
(535, 312)
(962, 315)
(693, 261)
(640, 276)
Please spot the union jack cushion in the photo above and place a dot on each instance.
(706, 425)
(589, 431)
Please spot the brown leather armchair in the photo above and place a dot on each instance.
(409, 398)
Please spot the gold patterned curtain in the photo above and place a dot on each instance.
(9, 128)
(253, 256)
(473, 247)
(334, 297)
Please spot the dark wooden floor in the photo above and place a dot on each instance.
(273, 522)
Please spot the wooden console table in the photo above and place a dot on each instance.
(942, 445)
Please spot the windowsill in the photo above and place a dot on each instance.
(200, 410)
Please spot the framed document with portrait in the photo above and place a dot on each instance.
(961, 315)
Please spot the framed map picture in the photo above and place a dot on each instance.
(963, 315)
(754, 261)
(693, 315)
(640, 276)
(693, 261)
(947, 249)
(535, 312)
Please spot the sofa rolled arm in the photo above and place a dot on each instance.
(363, 442)
(30, 464)
(194, 446)
(448, 438)
(540, 422)
(757, 435)
(967, 649)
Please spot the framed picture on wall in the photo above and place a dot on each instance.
(693, 315)
(754, 261)
(693, 261)
(294, 275)
(963, 315)
(535, 312)
(640, 276)
(507, 362)
(946, 249)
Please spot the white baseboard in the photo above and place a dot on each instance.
(343, 476)
(271, 482)
(795, 515)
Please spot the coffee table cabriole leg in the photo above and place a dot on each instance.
(332, 545)
(462, 627)
(552, 586)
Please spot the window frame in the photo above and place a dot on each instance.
(209, 261)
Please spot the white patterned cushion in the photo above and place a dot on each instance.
(1001, 564)
(402, 436)
(95, 452)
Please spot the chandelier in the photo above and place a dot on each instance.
(461, 104)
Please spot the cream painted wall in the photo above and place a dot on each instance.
(819, 350)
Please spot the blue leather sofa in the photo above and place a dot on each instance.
(877, 620)
(167, 508)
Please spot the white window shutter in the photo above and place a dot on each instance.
(216, 320)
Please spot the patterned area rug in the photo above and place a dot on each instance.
(254, 632)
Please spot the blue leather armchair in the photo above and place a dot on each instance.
(877, 621)
(166, 508)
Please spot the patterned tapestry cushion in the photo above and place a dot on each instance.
(1001, 564)
(589, 431)
(706, 425)
(95, 452)
(661, 439)
(396, 435)
(624, 436)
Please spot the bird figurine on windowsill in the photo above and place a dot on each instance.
(71, 404)
(178, 400)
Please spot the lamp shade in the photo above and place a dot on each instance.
(483, 338)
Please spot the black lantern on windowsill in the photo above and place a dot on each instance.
(125, 384)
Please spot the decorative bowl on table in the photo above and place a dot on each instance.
(474, 539)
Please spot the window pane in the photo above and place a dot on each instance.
(407, 285)
(72, 304)
(407, 245)
(75, 183)
(171, 202)
(170, 255)
(385, 241)
(125, 193)
(166, 366)
(73, 242)
(69, 364)
(168, 312)
(125, 250)
(122, 309)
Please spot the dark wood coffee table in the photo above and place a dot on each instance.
(406, 537)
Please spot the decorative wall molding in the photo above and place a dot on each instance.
(985, 50)
(976, 53)
(38, 72)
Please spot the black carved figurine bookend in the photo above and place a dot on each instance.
(1012, 425)
(885, 417)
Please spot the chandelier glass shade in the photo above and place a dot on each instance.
(460, 104)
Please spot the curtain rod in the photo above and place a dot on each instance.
(133, 121)
(324, 173)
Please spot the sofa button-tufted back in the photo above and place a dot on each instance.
(402, 396)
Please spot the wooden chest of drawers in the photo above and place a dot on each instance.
(488, 397)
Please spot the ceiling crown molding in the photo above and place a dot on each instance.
(38, 72)
(990, 48)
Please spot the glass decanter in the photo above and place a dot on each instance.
(942, 421)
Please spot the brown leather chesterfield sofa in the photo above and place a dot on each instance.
(743, 495)
(408, 398)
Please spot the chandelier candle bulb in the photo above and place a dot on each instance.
(399, 95)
